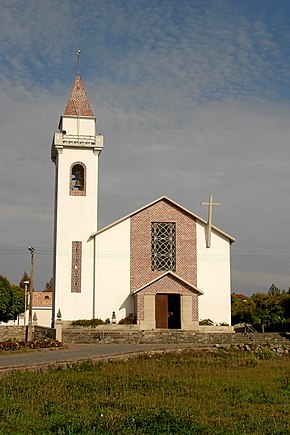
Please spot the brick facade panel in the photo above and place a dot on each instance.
(140, 265)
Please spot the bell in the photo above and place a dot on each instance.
(78, 184)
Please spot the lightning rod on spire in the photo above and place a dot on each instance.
(78, 60)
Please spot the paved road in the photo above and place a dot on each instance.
(33, 360)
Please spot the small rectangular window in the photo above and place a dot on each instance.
(163, 235)
(76, 272)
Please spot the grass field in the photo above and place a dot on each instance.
(219, 393)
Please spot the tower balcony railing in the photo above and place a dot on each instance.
(78, 139)
(73, 138)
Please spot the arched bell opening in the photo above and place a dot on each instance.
(78, 179)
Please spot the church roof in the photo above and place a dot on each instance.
(78, 103)
(165, 198)
(42, 299)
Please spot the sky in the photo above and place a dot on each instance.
(193, 99)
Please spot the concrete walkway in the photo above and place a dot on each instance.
(72, 353)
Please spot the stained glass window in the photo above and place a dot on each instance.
(76, 272)
(163, 246)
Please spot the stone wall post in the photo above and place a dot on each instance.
(58, 327)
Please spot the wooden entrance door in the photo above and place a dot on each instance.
(161, 311)
(167, 311)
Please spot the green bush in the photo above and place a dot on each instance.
(129, 320)
(283, 326)
(206, 322)
(89, 322)
(264, 353)
(251, 360)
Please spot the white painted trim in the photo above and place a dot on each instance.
(231, 238)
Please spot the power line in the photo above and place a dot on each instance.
(234, 258)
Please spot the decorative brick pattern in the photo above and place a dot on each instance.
(195, 311)
(139, 306)
(76, 267)
(168, 284)
(140, 234)
(78, 103)
(81, 192)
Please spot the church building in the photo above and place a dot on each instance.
(161, 264)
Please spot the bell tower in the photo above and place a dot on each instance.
(75, 152)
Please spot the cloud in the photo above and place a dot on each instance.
(192, 97)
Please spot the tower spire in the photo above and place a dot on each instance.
(78, 103)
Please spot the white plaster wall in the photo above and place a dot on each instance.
(213, 277)
(43, 316)
(113, 272)
(79, 126)
(76, 221)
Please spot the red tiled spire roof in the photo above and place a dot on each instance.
(78, 103)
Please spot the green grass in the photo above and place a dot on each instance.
(172, 394)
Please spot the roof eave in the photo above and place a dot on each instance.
(169, 272)
(228, 236)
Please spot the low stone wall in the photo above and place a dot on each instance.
(40, 332)
(15, 332)
(12, 332)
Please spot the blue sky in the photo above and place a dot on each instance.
(192, 98)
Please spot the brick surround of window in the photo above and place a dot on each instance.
(140, 233)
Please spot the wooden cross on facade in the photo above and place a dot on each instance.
(210, 205)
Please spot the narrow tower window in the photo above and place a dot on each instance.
(76, 267)
(163, 245)
(78, 179)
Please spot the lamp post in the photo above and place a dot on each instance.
(29, 333)
(25, 300)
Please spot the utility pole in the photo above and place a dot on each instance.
(29, 333)
(26, 283)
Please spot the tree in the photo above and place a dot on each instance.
(273, 290)
(18, 305)
(48, 286)
(11, 300)
(285, 304)
(23, 279)
(268, 310)
(243, 309)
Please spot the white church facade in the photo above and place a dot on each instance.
(162, 263)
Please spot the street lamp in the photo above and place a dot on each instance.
(29, 332)
(25, 300)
